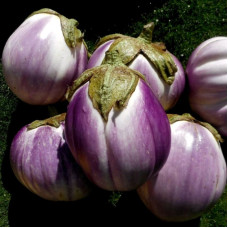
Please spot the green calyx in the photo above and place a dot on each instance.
(52, 121)
(110, 84)
(129, 48)
(188, 117)
(71, 34)
(147, 33)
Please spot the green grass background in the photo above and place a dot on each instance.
(182, 25)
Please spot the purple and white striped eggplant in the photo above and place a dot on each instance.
(115, 127)
(43, 163)
(162, 70)
(44, 55)
(194, 175)
(207, 77)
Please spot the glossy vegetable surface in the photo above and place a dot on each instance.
(193, 177)
(43, 163)
(207, 76)
(42, 57)
(115, 127)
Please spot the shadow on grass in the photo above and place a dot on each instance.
(28, 210)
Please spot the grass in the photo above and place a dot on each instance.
(217, 215)
(181, 25)
(7, 105)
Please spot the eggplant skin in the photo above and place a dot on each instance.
(192, 179)
(207, 78)
(42, 162)
(122, 152)
(168, 95)
(38, 66)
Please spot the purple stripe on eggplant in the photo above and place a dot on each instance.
(37, 63)
(207, 77)
(86, 137)
(133, 135)
(42, 162)
(168, 95)
(193, 177)
(123, 152)
(99, 54)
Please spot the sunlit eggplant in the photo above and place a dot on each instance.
(115, 127)
(162, 70)
(194, 175)
(44, 55)
(42, 162)
(207, 77)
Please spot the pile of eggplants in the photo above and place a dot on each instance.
(117, 133)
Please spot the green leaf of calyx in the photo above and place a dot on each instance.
(112, 88)
(72, 35)
(52, 121)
